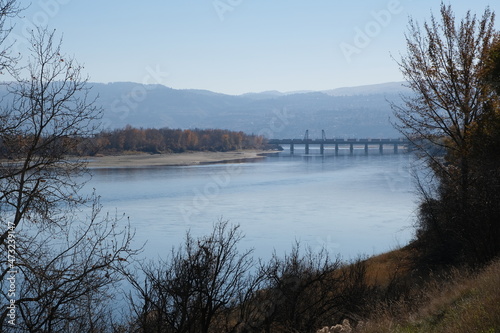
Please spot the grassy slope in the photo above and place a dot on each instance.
(462, 302)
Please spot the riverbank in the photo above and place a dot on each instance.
(142, 160)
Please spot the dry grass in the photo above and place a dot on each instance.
(382, 269)
(463, 302)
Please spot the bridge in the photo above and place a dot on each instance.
(351, 143)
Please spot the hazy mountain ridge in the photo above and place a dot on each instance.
(346, 112)
(382, 88)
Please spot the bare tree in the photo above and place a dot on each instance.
(306, 291)
(58, 264)
(198, 288)
(207, 285)
(48, 112)
(8, 9)
(64, 280)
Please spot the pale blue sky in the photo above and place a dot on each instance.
(236, 46)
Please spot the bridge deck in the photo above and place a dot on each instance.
(339, 141)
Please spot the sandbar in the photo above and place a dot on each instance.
(143, 160)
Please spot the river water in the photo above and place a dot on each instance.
(351, 205)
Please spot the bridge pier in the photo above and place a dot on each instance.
(306, 141)
(351, 148)
(381, 149)
(336, 149)
(366, 149)
(322, 149)
(291, 148)
(395, 148)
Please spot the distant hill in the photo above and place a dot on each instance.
(345, 112)
(383, 88)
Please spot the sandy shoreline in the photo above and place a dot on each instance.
(182, 159)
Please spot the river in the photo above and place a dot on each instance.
(351, 205)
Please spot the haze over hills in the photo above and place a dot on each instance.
(382, 88)
(346, 112)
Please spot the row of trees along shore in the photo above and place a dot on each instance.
(167, 140)
(130, 139)
(60, 269)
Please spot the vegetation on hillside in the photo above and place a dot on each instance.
(459, 301)
(59, 268)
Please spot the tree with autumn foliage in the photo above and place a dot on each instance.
(449, 118)
(166, 140)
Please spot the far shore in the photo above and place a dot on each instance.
(141, 160)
